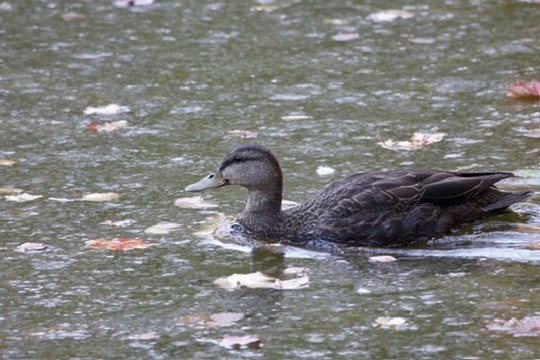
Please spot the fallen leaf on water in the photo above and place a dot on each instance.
(528, 326)
(73, 16)
(258, 280)
(101, 197)
(119, 244)
(245, 134)
(7, 162)
(24, 197)
(202, 320)
(382, 258)
(325, 170)
(521, 89)
(162, 228)
(195, 202)
(345, 37)
(110, 109)
(107, 127)
(386, 321)
(237, 342)
(31, 247)
(390, 15)
(10, 191)
(419, 140)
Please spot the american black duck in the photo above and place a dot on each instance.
(387, 208)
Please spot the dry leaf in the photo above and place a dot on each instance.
(419, 140)
(521, 89)
(237, 342)
(528, 326)
(73, 16)
(390, 15)
(258, 280)
(162, 228)
(119, 244)
(30, 247)
(10, 191)
(24, 197)
(111, 109)
(245, 134)
(107, 127)
(387, 321)
(382, 258)
(101, 197)
(195, 202)
(7, 162)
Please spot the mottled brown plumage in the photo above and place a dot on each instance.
(388, 208)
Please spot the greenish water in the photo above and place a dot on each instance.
(190, 71)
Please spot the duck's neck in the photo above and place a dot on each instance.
(262, 214)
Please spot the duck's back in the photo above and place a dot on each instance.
(396, 207)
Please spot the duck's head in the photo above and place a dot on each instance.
(251, 166)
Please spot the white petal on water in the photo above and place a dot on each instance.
(390, 15)
(101, 197)
(325, 170)
(110, 109)
(24, 197)
(162, 228)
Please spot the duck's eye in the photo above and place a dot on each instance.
(237, 159)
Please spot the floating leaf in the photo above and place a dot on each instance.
(528, 326)
(107, 127)
(521, 89)
(7, 162)
(387, 321)
(259, 280)
(325, 170)
(101, 197)
(10, 191)
(202, 320)
(24, 197)
(237, 342)
(345, 37)
(419, 140)
(119, 244)
(32, 247)
(73, 16)
(162, 228)
(195, 202)
(382, 258)
(390, 15)
(245, 134)
(111, 109)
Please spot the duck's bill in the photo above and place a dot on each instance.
(208, 182)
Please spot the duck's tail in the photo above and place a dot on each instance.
(507, 199)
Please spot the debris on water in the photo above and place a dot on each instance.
(194, 202)
(238, 342)
(528, 326)
(419, 140)
(524, 90)
(150, 335)
(390, 15)
(73, 16)
(32, 247)
(346, 37)
(296, 117)
(107, 127)
(258, 280)
(325, 170)
(10, 191)
(24, 197)
(111, 109)
(382, 258)
(162, 228)
(119, 244)
(7, 162)
(101, 197)
(119, 223)
(203, 320)
(387, 321)
(244, 134)
(127, 3)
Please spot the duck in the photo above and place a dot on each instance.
(385, 208)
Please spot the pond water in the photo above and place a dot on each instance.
(190, 72)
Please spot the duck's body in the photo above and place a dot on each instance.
(387, 208)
